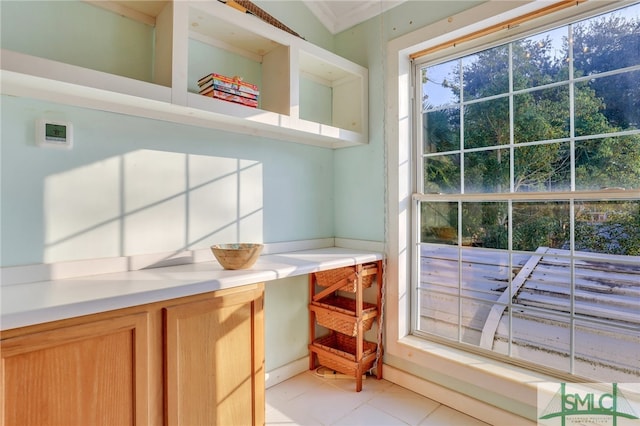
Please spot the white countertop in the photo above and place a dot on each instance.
(44, 301)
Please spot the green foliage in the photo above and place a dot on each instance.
(540, 225)
(604, 44)
(485, 224)
(611, 228)
(543, 159)
(608, 162)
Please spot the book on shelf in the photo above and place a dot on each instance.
(213, 85)
(231, 98)
(235, 83)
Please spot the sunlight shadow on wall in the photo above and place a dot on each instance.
(149, 201)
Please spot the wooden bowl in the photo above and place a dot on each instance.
(237, 255)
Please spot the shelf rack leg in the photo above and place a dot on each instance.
(312, 322)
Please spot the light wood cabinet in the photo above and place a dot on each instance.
(215, 360)
(187, 361)
(307, 94)
(93, 373)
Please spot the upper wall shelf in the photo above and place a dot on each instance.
(307, 94)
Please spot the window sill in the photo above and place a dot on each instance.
(509, 387)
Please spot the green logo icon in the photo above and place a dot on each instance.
(588, 405)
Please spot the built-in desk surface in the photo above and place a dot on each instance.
(44, 301)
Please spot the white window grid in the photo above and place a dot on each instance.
(510, 197)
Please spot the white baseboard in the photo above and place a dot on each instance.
(473, 407)
(287, 371)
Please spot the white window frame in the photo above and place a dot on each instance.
(438, 371)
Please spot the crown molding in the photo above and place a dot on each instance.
(340, 15)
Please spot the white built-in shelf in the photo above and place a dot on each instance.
(307, 94)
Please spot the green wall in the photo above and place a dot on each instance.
(300, 185)
(79, 34)
(132, 185)
(286, 321)
(359, 177)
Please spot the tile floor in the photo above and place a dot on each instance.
(309, 399)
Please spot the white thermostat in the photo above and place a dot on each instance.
(56, 134)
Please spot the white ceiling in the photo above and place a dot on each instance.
(339, 15)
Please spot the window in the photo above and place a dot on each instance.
(527, 213)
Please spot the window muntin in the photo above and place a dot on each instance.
(511, 258)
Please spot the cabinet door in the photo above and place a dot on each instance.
(92, 373)
(215, 359)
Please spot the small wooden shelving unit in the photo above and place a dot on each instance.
(337, 304)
